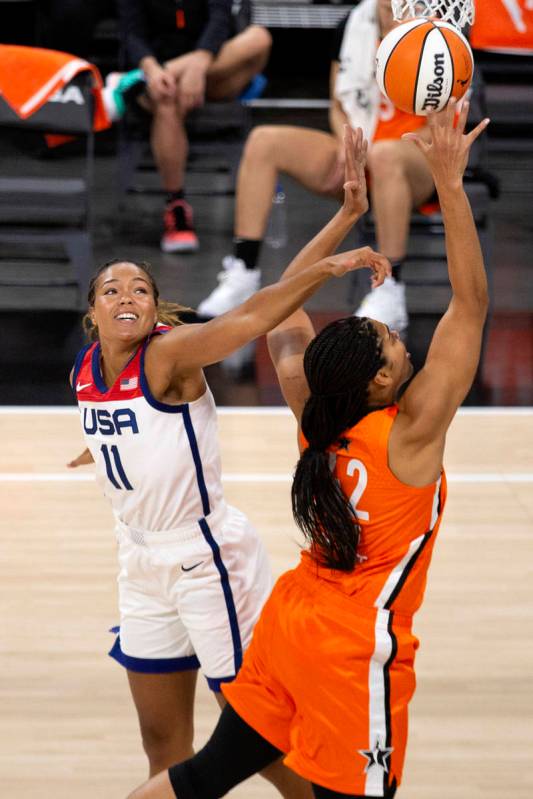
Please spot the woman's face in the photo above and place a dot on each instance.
(398, 360)
(124, 304)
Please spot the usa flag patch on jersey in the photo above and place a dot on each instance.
(128, 383)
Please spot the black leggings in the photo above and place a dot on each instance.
(234, 752)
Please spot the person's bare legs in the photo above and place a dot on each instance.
(239, 60)
(169, 143)
(307, 156)
(165, 705)
(400, 181)
(170, 148)
(289, 784)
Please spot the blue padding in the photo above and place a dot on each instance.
(255, 88)
(215, 682)
(152, 665)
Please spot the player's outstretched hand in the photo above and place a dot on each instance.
(355, 193)
(447, 152)
(81, 460)
(364, 257)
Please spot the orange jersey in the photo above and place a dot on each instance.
(330, 670)
(505, 25)
(398, 523)
(393, 123)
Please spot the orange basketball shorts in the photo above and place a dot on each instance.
(328, 682)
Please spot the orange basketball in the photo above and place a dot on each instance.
(422, 63)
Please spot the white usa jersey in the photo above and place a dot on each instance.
(159, 464)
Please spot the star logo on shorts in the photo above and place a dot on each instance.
(377, 756)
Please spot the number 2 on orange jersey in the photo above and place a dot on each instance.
(355, 465)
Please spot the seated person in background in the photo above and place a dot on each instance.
(187, 55)
(399, 176)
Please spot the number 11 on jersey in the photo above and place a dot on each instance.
(120, 475)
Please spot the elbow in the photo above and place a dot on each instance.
(474, 305)
(483, 303)
(478, 307)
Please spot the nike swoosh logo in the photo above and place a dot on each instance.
(80, 386)
(190, 568)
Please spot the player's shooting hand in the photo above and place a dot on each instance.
(82, 460)
(448, 149)
(364, 257)
(355, 191)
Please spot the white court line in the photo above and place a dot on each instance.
(266, 410)
(71, 410)
(258, 477)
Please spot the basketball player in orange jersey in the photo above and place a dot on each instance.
(330, 670)
(400, 179)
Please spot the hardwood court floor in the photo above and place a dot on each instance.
(67, 727)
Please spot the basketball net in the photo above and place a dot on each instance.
(458, 12)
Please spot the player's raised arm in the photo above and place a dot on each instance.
(437, 391)
(288, 341)
(192, 346)
(355, 205)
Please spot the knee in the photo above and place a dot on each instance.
(262, 144)
(167, 744)
(260, 41)
(166, 108)
(385, 160)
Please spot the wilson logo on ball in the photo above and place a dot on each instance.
(434, 89)
(421, 64)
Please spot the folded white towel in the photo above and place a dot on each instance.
(356, 87)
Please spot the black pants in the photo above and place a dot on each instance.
(234, 752)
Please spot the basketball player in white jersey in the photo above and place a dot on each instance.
(193, 572)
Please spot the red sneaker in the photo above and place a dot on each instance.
(179, 234)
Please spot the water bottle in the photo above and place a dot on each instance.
(276, 235)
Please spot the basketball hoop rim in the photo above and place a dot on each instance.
(459, 13)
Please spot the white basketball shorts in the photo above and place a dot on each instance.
(190, 598)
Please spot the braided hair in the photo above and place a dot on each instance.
(339, 364)
(167, 312)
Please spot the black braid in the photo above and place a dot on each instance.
(339, 365)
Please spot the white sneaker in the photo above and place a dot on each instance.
(386, 304)
(236, 284)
